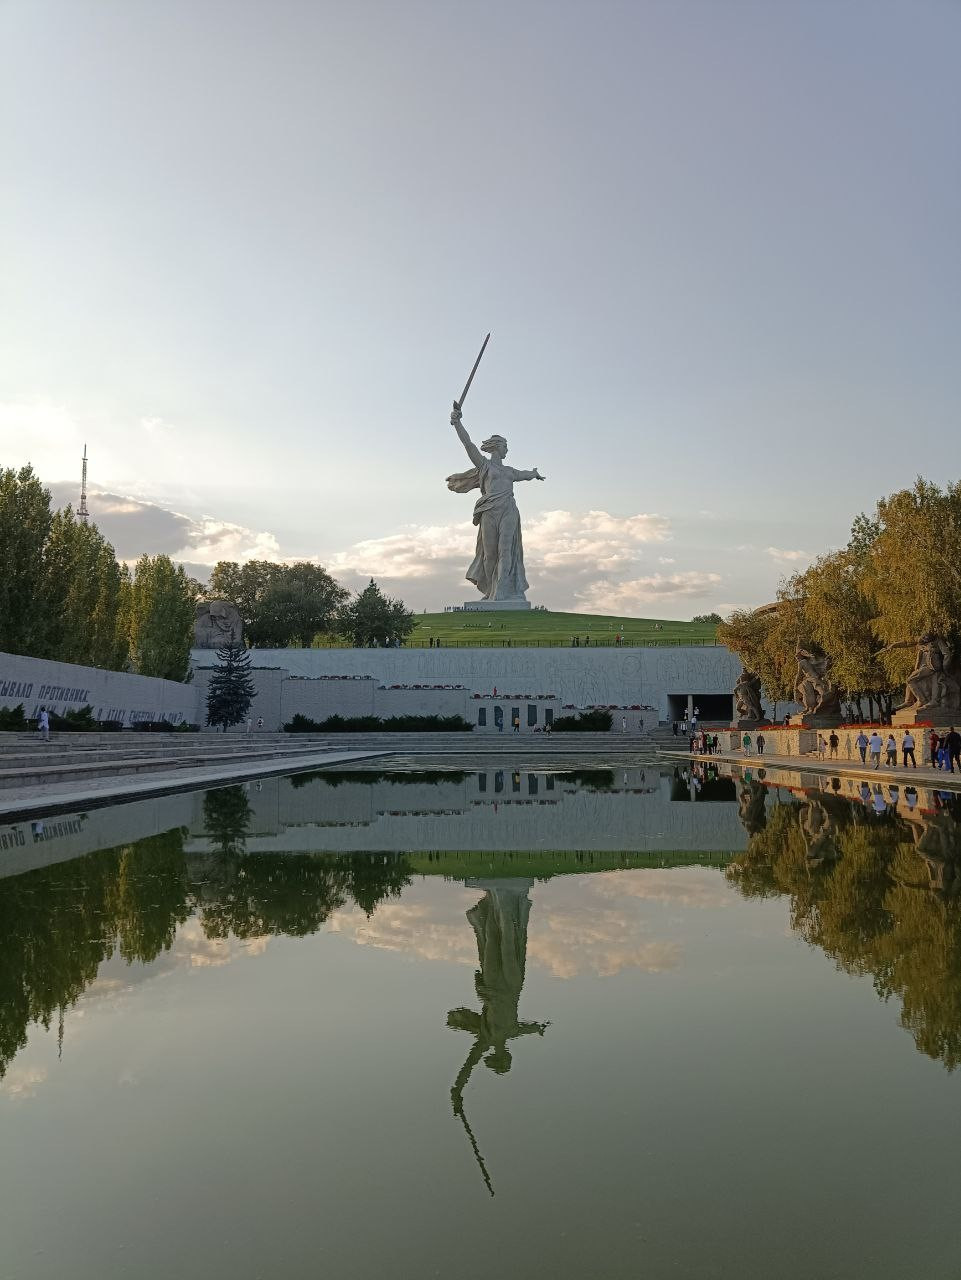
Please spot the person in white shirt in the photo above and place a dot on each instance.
(875, 743)
(907, 749)
(43, 724)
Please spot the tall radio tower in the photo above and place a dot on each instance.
(82, 511)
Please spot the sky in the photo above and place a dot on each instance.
(248, 253)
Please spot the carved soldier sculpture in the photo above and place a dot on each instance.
(747, 699)
(933, 689)
(813, 688)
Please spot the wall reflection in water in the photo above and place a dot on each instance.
(872, 872)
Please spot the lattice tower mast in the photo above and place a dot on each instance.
(82, 511)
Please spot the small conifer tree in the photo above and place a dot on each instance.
(231, 687)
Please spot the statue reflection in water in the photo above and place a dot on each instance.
(499, 922)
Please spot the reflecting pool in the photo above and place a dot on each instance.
(614, 1020)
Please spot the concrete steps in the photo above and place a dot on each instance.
(57, 762)
(26, 763)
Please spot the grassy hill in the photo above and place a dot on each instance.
(541, 627)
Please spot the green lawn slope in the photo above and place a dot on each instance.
(536, 627)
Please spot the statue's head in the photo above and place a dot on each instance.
(499, 1059)
(220, 614)
(495, 444)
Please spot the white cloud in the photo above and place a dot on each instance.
(665, 560)
(789, 557)
(134, 526)
(22, 1081)
(635, 593)
(566, 554)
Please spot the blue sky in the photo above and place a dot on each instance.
(250, 250)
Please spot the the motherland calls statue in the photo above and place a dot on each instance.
(813, 688)
(497, 570)
(933, 689)
(217, 622)
(747, 699)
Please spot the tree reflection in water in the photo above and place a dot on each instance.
(874, 885)
(60, 923)
(499, 922)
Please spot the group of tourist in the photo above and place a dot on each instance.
(944, 750)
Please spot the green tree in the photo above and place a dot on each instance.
(160, 617)
(707, 617)
(231, 687)
(301, 600)
(373, 618)
(913, 572)
(245, 585)
(83, 589)
(24, 524)
(759, 638)
(839, 616)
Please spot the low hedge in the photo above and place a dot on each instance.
(13, 720)
(374, 724)
(584, 722)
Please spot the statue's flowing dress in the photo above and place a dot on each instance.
(497, 570)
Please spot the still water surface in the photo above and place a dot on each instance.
(612, 1021)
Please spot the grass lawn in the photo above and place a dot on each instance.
(539, 627)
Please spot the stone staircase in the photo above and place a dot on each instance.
(93, 759)
(26, 761)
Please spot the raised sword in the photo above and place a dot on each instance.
(459, 404)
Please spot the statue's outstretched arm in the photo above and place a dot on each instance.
(526, 475)
(473, 452)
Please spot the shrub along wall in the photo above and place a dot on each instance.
(374, 724)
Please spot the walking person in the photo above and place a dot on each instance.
(861, 743)
(875, 744)
(746, 741)
(260, 723)
(760, 744)
(953, 744)
(43, 725)
(822, 746)
(907, 749)
(674, 727)
(933, 743)
(847, 746)
(891, 750)
(715, 744)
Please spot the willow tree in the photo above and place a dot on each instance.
(913, 572)
(839, 616)
(758, 637)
